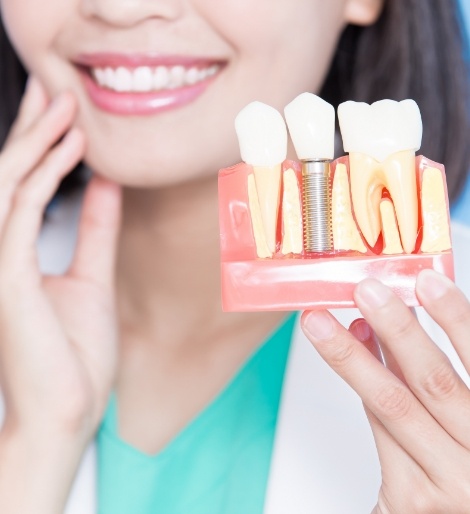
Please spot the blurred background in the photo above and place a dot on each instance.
(461, 209)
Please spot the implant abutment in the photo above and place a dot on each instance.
(316, 206)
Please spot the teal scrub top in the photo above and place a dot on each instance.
(218, 464)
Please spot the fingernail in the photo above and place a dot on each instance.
(432, 284)
(361, 330)
(373, 293)
(319, 325)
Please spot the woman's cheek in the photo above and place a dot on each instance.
(31, 27)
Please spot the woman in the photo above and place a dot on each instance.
(155, 335)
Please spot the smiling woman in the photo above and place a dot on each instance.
(130, 344)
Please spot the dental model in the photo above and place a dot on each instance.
(262, 136)
(380, 212)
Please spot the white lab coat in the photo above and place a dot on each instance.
(324, 458)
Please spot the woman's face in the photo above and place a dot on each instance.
(181, 127)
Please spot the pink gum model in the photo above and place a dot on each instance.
(305, 281)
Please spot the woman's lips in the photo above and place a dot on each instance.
(143, 85)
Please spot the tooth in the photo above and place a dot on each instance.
(202, 74)
(142, 79)
(262, 249)
(436, 233)
(123, 80)
(392, 244)
(311, 123)
(369, 177)
(381, 140)
(177, 74)
(345, 233)
(212, 70)
(161, 77)
(109, 78)
(262, 135)
(100, 76)
(192, 76)
(291, 214)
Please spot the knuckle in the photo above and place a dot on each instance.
(403, 326)
(341, 355)
(460, 314)
(394, 402)
(28, 197)
(441, 382)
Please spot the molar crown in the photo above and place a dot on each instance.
(380, 129)
(262, 135)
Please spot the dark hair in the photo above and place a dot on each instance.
(414, 50)
(13, 78)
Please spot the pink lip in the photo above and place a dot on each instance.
(141, 103)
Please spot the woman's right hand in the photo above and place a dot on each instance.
(58, 334)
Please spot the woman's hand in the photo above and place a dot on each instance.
(417, 405)
(57, 333)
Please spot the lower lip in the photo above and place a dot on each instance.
(142, 103)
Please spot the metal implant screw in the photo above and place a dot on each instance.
(316, 203)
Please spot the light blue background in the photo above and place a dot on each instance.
(461, 209)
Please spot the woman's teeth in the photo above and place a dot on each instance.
(145, 79)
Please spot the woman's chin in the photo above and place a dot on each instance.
(131, 172)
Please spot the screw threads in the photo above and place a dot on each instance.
(316, 203)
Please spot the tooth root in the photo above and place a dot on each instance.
(345, 233)
(436, 232)
(391, 235)
(268, 185)
(291, 214)
(368, 178)
(262, 249)
(366, 192)
(400, 180)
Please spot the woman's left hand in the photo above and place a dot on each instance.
(417, 405)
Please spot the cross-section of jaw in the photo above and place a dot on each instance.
(381, 140)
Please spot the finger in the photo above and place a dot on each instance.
(361, 330)
(33, 104)
(404, 417)
(25, 152)
(426, 369)
(449, 308)
(388, 357)
(393, 458)
(18, 244)
(98, 233)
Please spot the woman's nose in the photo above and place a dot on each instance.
(126, 13)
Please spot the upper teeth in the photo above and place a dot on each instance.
(144, 78)
(381, 140)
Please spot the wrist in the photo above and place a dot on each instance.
(44, 466)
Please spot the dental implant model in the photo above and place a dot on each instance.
(302, 235)
(311, 123)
